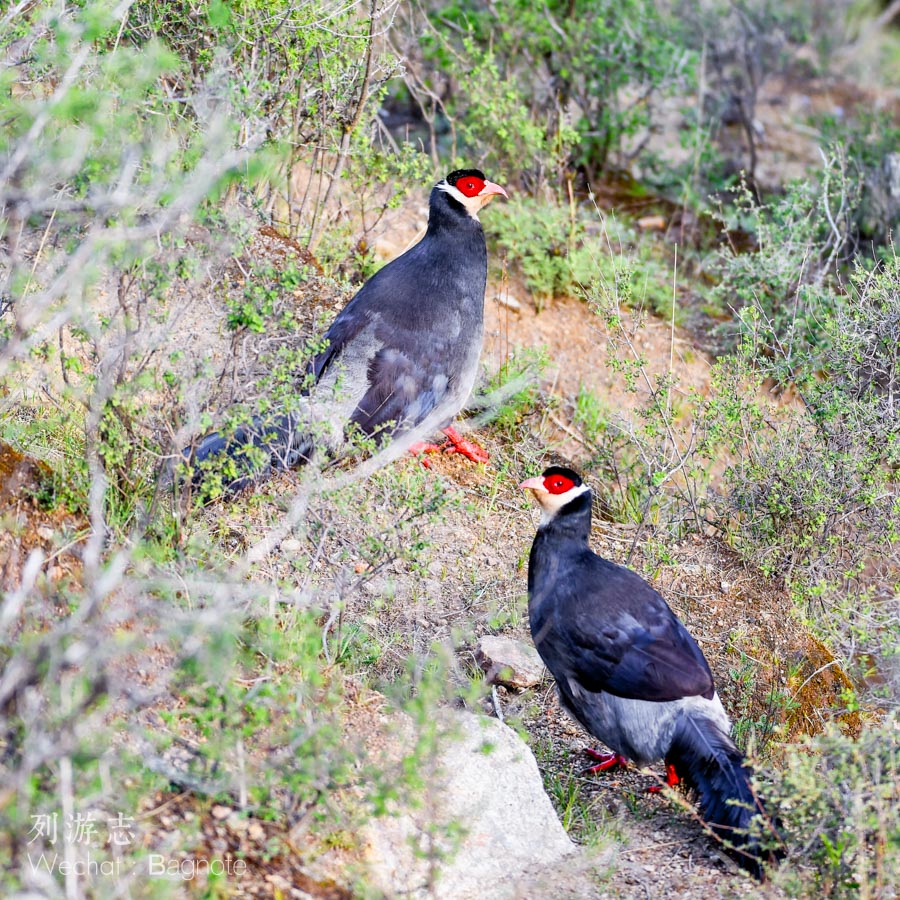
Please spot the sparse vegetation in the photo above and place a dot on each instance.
(188, 193)
(846, 824)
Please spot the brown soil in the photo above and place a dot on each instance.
(27, 527)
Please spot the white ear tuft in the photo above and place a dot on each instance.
(551, 504)
(471, 204)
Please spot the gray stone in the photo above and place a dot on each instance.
(291, 547)
(509, 301)
(509, 662)
(484, 828)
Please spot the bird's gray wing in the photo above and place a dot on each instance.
(402, 391)
(409, 358)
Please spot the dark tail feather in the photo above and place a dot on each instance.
(708, 761)
(250, 454)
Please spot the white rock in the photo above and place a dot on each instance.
(486, 783)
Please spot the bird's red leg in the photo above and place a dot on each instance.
(672, 779)
(604, 761)
(469, 449)
(424, 447)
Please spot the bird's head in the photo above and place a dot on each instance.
(471, 189)
(557, 487)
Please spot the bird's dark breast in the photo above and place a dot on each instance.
(454, 279)
(548, 567)
(601, 629)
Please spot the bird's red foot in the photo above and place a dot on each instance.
(424, 447)
(455, 443)
(672, 780)
(469, 449)
(604, 761)
(421, 448)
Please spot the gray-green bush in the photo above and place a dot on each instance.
(838, 802)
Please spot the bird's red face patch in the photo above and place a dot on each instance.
(558, 484)
(470, 185)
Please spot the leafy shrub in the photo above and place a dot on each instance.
(561, 251)
(546, 243)
(314, 74)
(838, 802)
(780, 294)
(152, 661)
(513, 392)
(814, 490)
(832, 463)
(99, 189)
(497, 118)
(651, 457)
(869, 142)
(740, 47)
(546, 88)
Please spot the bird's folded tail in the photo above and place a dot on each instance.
(708, 761)
(225, 463)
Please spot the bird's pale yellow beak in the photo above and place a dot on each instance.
(533, 484)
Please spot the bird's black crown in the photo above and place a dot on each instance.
(572, 475)
(453, 177)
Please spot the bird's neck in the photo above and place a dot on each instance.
(572, 522)
(566, 533)
(447, 213)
